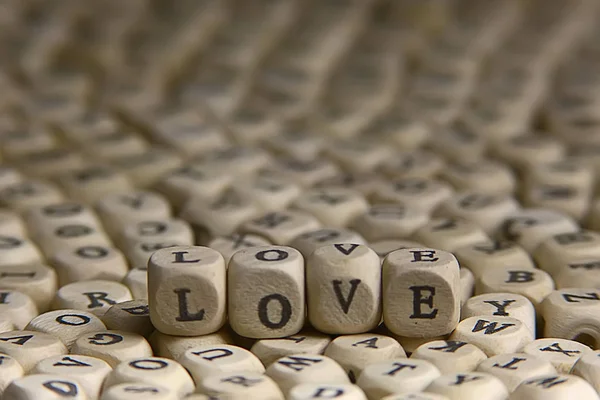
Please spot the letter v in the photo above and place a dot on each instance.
(345, 303)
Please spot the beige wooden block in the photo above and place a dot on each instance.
(72, 236)
(17, 250)
(450, 356)
(86, 263)
(572, 314)
(333, 207)
(394, 376)
(17, 307)
(29, 194)
(228, 245)
(469, 386)
(16, 144)
(480, 257)
(203, 361)
(389, 221)
(344, 288)
(59, 214)
(485, 176)
(554, 386)
(129, 316)
(422, 193)
(562, 353)
(114, 145)
(355, 352)
(45, 386)
(90, 183)
(264, 311)
(566, 248)
(303, 173)
(150, 370)
(493, 335)
(139, 391)
(385, 247)
(174, 347)
(240, 386)
(280, 227)
(415, 396)
(238, 159)
(192, 181)
(531, 226)
(534, 284)
(186, 290)
(304, 342)
(418, 164)
(94, 296)
(582, 273)
(218, 217)
(567, 199)
(450, 234)
(421, 292)
(570, 172)
(515, 368)
(137, 282)
(138, 254)
(67, 325)
(35, 280)
(165, 230)
(524, 151)
(501, 304)
(400, 129)
(594, 217)
(252, 124)
(358, 154)
(147, 168)
(47, 164)
(297, 141)
(6, 325)
(307, 391)
(89, 372)
(118, 210)
(10, 370)
(588, 367)
(308, 242)
(467, 285)
(11, 224)
(29, 347)
(458, 143)
(295, 369)
(269, 193)
(362, 182)
(10, 176)
(113, 347)
(191, 138)
(488, 211)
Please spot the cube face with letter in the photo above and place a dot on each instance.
(421, 292)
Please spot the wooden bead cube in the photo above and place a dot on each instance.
(29, 347)
(493, 335)
(423, 194)
(90, 183)
(186, 290)
(149, 370)
(93, 296)
(10, 370)
(399, 375)
(450, 234)
(524, 151)
(333, 207)
(450, 356)
(203, 361)
(421, 292)
(240, 386)
(588, 368)
(488, 211)
(174, 347)
(307, 391)
(467, 285)
(269, 193)
(35, 280)
(139, 391)
(129, 316)
(28, 194)
(281, 227)
(16, 250)
(304, 342)
(514, 368)
(564, 172)
(571, 200)
(344, 288)
(264, 311)
(137, 282)
(415, 396)
(113, 347)
(485, 176)
(11, 224)
(308, 242)
(90, 372)
(534, 284)
(554, 386)
(480, 257)
(67, 325)
(561, 353)
(565, 248)
(501, 304)
(469, 386)
(295, 369)
(236, 159)
(59, 214)
(145, 169)
(168, 230)
(228, 245)
(355, 352)
(413, 164)
(389, 221)
(531, 226)
(70, 236)
(45, 386)
(17, 307)
(303, 173)
(90, 262)
(138, 254)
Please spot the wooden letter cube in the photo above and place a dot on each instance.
(450, 356)
(514, 368)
